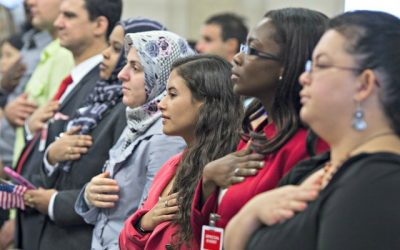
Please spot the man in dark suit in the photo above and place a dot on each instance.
(83, 27)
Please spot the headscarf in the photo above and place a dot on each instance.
(157, 51)
(107, 93)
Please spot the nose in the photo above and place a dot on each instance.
(58, 22)
(106, 53)
(238, 58)
(200, 46)
(161, 104)
(123, 75)
(305, 78)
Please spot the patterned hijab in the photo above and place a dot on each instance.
(108, 93)
(157, 51)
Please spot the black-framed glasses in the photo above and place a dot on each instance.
(246, 49)
(309, 67)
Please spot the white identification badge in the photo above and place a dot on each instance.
(212, 238)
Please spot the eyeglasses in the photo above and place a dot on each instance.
(253, 52)
(309, 67)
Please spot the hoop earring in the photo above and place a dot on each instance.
(359, 123)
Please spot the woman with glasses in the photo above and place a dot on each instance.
(350, 98)
(267, 68)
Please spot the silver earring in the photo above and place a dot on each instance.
(280, 78)
(359, 123)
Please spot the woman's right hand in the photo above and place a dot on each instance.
(166, 209)
(69, 146)
(102, 191)
(268, 208)
(231, 169)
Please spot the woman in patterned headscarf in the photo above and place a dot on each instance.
(142, 148)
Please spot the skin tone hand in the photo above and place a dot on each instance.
(39, 199)
(7, 234)
(19, 109)
(270, 208)
(11, 78)
(69, 146)
(165, 210)
(230, 169)
(41, 115)
(101, 191)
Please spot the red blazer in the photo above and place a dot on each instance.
(130, 238)
(236, 196)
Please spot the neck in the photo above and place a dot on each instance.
(267, 104)
(94, 49)
(352, 147)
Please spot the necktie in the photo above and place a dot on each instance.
(30, 145)
(63, 86)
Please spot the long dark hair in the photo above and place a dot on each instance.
(217, 129)
(297, 31)
(373, 38)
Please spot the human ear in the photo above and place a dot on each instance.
(367, 85)
(232, 45)
(100, 26)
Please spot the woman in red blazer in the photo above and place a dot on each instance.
(201, 107)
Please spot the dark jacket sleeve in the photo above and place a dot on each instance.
(64, 209)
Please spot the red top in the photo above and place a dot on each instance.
(130, 238)
(275, 167)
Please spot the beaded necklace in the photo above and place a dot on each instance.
(331, 169)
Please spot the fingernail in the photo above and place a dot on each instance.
(261, 164)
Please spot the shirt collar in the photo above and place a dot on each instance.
(82, 69)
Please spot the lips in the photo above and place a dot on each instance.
(235, 75)
(124, 88)
(103, 66)
(303, 97)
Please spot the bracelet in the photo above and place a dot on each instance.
(139, 228)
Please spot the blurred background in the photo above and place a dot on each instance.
(185, 17)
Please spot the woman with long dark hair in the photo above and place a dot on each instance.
(267, 68)
(202, 108)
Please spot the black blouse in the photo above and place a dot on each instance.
(358, 209)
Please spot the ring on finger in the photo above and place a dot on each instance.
(166, 203)
(236, 172)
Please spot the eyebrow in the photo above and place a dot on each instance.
(135, 63)
(322, 54)
(171, 88)
(69, 13)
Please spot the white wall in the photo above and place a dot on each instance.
(185, 17)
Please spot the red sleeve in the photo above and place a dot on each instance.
(129, 237)
(200, 214)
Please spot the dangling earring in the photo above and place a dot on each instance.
(359, 123)
(280, 78)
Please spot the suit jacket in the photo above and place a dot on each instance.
(37, 231)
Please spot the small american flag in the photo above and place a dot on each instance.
(11, 196)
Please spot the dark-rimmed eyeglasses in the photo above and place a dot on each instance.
(310, 67)
(244, 48)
